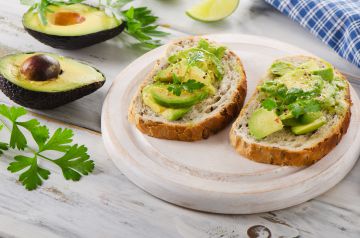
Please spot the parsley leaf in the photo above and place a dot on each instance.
(33, 176)
(140, 25)
(40, 133)
(269, 104)
(59, 141)
(75, 163)
(177, 86)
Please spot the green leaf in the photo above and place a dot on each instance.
(12, 113)
(17, 139)
(39, 132)
(75, 163)
(3, 147)
(269, 104)
(59, 141)
(139, 25)
(33, 176)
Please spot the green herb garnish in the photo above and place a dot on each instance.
(296, 100)
(73, 159)
(190, 86)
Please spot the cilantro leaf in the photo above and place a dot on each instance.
(59, 141)
(17, 139)
(192, 85)
(140, 24)
(33, 176)
(3, 147)
(75, 163)
(269, 104)
(40, 133)
(12, 113)
(177, 86)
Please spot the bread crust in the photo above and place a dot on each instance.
(200, 130)
(279, 156)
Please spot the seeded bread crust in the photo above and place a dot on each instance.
(192, 130)
(260, 152)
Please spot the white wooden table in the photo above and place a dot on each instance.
(106, 204)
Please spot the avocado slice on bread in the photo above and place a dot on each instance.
(46, 80)
(298, 114)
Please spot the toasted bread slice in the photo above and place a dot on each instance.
(206, 117)
(283, 147)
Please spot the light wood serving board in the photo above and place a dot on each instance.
(209, 175)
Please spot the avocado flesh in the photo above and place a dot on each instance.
(170, 114)
(263, 123)
(165, 98)
(96, 28)
(304, 129)
(310, 117)
(326, 72)
(280, 68)
(76, 81)
(74, 74)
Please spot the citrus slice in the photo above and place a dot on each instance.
(212, 10)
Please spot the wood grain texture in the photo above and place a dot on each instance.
(106, 204)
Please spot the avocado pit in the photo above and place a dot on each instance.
(40, 68)
(67, 18)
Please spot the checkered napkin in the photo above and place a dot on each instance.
(335, 22)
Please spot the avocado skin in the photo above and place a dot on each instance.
(76, 42)
(44, 100)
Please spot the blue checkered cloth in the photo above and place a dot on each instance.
(335, 22)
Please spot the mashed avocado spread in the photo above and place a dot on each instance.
(190, 76)
(298, 98)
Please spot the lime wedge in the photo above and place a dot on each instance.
(212, 10)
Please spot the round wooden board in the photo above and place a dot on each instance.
(209, 175)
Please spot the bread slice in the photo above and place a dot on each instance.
(205, 118)
(283, 147)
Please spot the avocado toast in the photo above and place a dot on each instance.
(298, 114)
(194, 91)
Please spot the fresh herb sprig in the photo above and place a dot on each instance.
(73, 160)
(190, 86)
(140, 21)
(296, 100)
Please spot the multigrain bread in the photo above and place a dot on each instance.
(206, 117)
(283, 147)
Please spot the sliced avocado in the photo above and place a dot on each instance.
(263, 123)
(199, 75)
(286, 115)
(72, 26)
(44, 80)
(325, 70)
(304, 129)
(170, 114)
(165, 98)
(173, 114)
(310, 117)
(280, 68)
(166, 75)
(326, 73)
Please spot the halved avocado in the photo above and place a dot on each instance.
(45, 81)
(72, 26)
